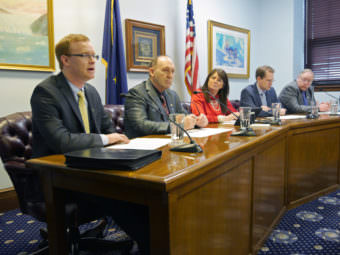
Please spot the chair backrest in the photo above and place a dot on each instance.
(16, 137)
(235, 104)
(186, 106)
(116, 111)
(15, 149)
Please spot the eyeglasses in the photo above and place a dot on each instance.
(89, 56)
(306, 80)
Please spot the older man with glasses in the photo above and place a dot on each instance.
(298, 95)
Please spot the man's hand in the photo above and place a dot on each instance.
(202, 120)
(324, 107)
(189, 121)
(265, 108)
(117, 138)
(283, 111)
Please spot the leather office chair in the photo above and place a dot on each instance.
(116, 112)
(15, 149)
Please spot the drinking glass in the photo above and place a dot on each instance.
(276, 108)
(177, 134)
(245, 113)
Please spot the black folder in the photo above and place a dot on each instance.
(107, 158)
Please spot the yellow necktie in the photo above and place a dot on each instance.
(83, 111)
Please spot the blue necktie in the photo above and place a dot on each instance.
(305, 102)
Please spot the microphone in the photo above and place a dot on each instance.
(191, 147)
(199, 92)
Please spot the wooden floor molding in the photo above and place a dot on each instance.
(8, 199)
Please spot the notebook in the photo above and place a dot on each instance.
(106, 158)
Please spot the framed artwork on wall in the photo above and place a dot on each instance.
(229, 49)
(144, 41)
(26, 35)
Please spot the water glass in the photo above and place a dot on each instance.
(245, 113)
(177, 134)
(276, 108)
(334, 107)
(315, 111)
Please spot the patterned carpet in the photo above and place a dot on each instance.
(310, 229)
(19, 234)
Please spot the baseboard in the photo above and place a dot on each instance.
(313, 196)
(8, 199)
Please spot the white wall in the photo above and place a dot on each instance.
(271, 23)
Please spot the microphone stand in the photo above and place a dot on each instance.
(191, 147)
(186, 147)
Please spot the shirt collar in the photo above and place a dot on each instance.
(75, 89)
(259, 89)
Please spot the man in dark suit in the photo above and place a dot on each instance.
(148, 105)
(261, 93)
(58, 123)
(61, 124)
(298, 95)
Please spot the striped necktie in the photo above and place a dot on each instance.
(83, 111)
(164, 104)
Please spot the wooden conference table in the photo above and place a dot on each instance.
(222, 201)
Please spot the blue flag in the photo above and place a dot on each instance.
(113, 54)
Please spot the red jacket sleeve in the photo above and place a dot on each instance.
(199, 105)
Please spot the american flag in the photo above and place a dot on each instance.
(191, 57)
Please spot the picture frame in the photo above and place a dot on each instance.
(229, 49)
(144, 41)
(27, 36)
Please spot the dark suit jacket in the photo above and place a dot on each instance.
(144, 113)
(57, 123)
(250, 97)
(291, 98)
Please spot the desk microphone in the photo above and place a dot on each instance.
(191, 147)
(199, 92)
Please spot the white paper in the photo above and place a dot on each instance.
(291, 117)
(259, 125)
(203, 132)
(142, 144)
(338, 113)
(229, 122)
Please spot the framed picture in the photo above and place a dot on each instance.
(229, 49)
(26, 35)
(144, 41)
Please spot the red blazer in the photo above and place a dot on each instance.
(200, 105)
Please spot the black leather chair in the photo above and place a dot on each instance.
(116, 111)
(15, 149)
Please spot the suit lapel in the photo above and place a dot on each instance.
(155, 99)
(268, 98)
(67, 92)
(168, 99)
(257, 96)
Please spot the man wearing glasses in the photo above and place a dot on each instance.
(261, 93)
(67, 112)
(298, 96)
(65, 120)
